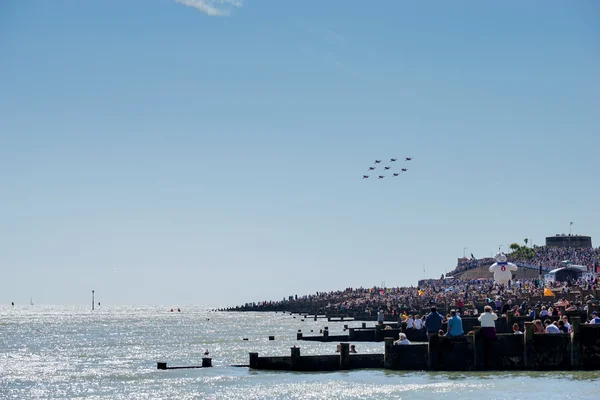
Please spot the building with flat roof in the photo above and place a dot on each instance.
(564, 240)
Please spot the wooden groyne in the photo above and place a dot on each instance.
(206, 363)
(296, 362)
(579, 350)
(379, 332)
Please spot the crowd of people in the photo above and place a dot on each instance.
(451, 292)
(432, 323)
(553, 256)
(545, 257)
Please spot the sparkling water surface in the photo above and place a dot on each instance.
(62, 352)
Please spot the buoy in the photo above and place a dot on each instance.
(171, 310)
(271, 337)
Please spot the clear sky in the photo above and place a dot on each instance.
(198, 152)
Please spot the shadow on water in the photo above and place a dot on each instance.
(495, 375)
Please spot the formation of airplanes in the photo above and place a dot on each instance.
(387, 167)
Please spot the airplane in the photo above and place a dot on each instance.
(393, 159)
(396, 174)
(387, 167)
(408, 158)
(371, 168)
(404, 170)
(365, 176)
(377, 161)
(380, 177)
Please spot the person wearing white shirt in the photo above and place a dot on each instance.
(402, 340)
(516, 329)
(410, 322)
(418, 323)
(488, 323)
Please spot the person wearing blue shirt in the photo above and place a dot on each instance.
(594, 318)
(455, 326)
(433, 322)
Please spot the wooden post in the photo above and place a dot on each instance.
(92, 300)
(478, 348)
(295, 358)
(254, 360)
(364, 325)
(378, 331)
(344, 355)
(206, 362)
(161, 365)
(528, 356)
(299, 336)
(575, 343)
(432, 352)
(509, 320)
(387, 356)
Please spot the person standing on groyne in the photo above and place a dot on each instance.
(488, 323)
(433, 322)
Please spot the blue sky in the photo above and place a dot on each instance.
(159, 154)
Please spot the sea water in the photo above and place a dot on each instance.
(62, 352)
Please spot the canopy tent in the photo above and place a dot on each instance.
(566, 274)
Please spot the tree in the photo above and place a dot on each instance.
(521, 252)
(526, 240)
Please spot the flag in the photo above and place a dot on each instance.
(420, 292)
(548, 292)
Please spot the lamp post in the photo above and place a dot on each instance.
(465, 249)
